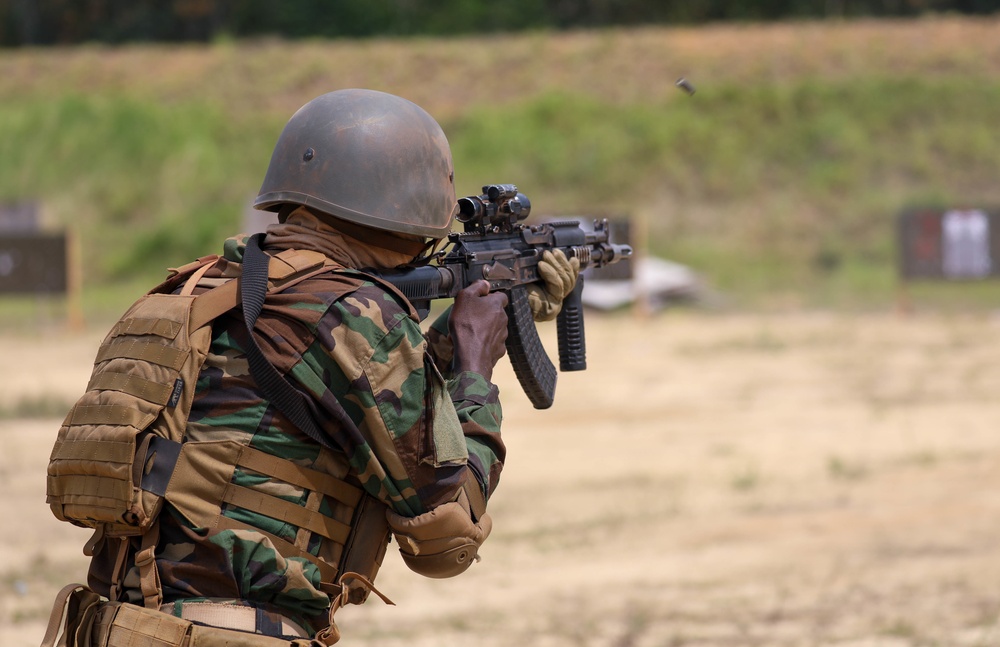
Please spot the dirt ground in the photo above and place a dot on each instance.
(711, 479)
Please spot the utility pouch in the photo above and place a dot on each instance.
(120, 624)
(74, 613)
(103, 470)
(142, 386)
(81, 618)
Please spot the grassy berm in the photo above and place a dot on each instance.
(779, 180)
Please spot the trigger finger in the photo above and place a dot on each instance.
(479, 288)
(501, 298)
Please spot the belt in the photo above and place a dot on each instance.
(237, 618)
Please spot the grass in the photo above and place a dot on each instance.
(746, 480)
(40, 407)
(145, 186)
(780, 187)
(843, 469)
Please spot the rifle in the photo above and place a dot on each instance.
(495, 247)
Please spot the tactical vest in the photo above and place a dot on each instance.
(121, 451)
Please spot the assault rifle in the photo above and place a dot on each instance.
(495, 247)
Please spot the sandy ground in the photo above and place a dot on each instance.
(806, 479)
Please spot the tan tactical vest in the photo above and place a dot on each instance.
(120, 451)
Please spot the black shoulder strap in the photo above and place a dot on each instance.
(285, 397)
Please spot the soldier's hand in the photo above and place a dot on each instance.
(478, 327)
(559, 276)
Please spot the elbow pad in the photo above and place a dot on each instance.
(441, 543)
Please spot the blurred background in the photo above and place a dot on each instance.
(790, 441)
(145, 126)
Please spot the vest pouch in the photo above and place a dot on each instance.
(142, 386)
(73, 616)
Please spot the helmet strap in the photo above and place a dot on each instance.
(429, 253)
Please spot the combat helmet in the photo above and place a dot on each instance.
(366, 157)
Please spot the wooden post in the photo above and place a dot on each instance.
(904, 305)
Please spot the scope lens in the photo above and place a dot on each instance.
(497, 192)
(469, 208)
(523, 206)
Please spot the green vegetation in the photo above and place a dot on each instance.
(792, 186)
(779, 193)
(35, 407)
(145, 186)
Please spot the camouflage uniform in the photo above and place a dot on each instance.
(344, 338)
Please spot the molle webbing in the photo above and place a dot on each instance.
(327, 571)
(199, 482)
(133, 385)
(140, 326)
(154, 353)
(288, 512)
(198, 478)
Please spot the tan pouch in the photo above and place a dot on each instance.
(142, 385)
(142, 388)
(123, 625)
(202, 636)
(72, 619)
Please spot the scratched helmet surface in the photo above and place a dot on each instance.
(367, 157)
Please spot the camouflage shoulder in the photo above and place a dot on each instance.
(391, 289)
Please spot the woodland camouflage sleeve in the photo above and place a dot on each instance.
(439, 343)
(424, 435)
(477, 403)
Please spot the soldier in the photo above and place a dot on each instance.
(267, 527)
